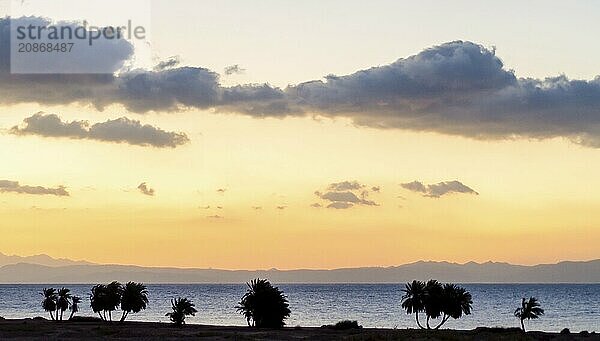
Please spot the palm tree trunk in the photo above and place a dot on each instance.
(124, 316)
(522, 325)
(72, 313)
(428, 323)
(110, 315)
(99, 314)
(444, 319)
(418, 323)
(51, 316)
(61, 314)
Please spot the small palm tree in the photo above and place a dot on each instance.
(134, 299)
(413, 300)
(182, 307)
(75, 300)
(530, 310)
(264, 305)
(63, 302)
(49, 301)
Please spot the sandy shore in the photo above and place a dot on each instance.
(43, 330)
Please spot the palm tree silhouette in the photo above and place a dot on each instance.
(75, 300)
(133, 299)
(106, 298)
(182, 307)
(49, 301)
(264, 305)
(436, 301)
(456, 301)
(530, 310)
(63, 302)
(114, 291)
(413, 300)
(98, 299)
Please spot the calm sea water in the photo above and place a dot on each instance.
(373, 305)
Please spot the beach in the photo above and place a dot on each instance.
(41, 329)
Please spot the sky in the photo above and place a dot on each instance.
(472, 134)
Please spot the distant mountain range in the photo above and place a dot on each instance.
(45, 269)
(39, 260)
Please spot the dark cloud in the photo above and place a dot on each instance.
(281, 208)
(346, 194)
(221, 190)
(144, 189)
(7, 186)
(439, 189)
(233, 70)
(169, 63)
(458, 88)
(121, 130)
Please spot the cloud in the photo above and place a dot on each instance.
(216, 216)
(234, 69)
(346, 194)
(345, 186)
(281, 208)
(340, 205)
(169, 63)
(7, 186)
(440, 189)
(144, 189)
(456, 88)
(121, 130)
(257, 208)
(415, 186)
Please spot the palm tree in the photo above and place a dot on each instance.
(75, 300)
(63, 302)
(98, 299)
(436, 301)
(106, 298)
(182, 307)
(49, 301)
(433, 298)
(530, 310)
(114, 290)
(264, 305)
(413, 300)
(456, 301)
(133, 299)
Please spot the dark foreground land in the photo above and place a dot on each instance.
(47, 330)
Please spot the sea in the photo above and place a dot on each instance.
(573, 306)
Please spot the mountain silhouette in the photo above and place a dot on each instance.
(490, 272)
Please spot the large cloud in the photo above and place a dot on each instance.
(458, 88)
(15, 187)
(440, 189)
(121, 130)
